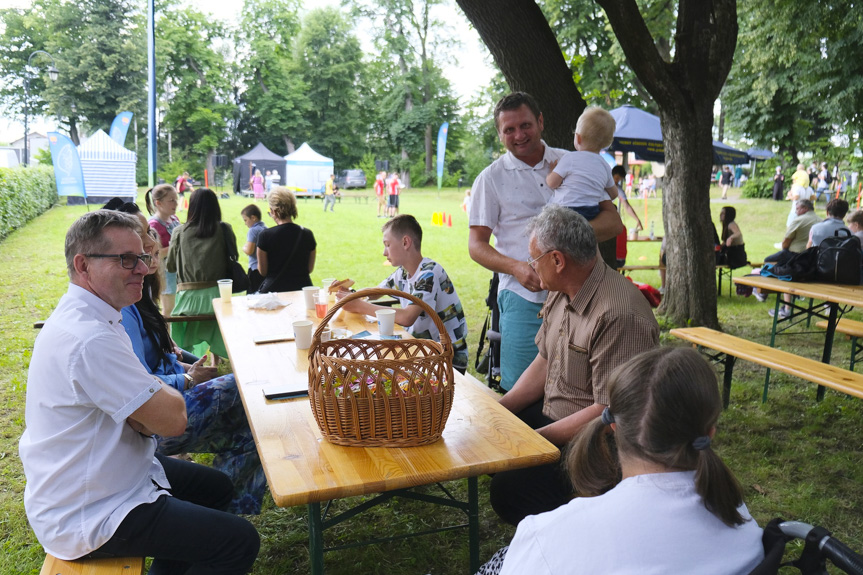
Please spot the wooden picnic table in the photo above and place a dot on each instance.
(304, 469)
(833, 296)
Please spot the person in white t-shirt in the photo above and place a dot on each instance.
(654, 496)
(423, 278)
(505, 196)
(581, 180)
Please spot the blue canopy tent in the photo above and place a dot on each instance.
(640, 132)
(758, 154)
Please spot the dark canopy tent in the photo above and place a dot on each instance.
(640, 132)
(259, 158)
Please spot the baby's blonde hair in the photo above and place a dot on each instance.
(596, 128)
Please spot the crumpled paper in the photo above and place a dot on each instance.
(268, 301)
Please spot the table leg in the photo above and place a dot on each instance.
(828, 343)
(473, 523)
(772, 343)
(316, 539)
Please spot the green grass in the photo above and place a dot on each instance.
(794, 457)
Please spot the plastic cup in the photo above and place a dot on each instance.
(303, 333)
(225, 289)
(321, 302)
(386, 321)
(327, 282)
(310, 294)
(326, 335)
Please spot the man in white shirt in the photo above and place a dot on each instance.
(95, 486)
(504, 197)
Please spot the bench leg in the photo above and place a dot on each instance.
(828, 344)
(726, 380)
(855, 348)
(316, 539)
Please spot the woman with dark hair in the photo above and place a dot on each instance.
(653, 494)
(199, 253)
(286, 252)
(732, 249)
(216, 420)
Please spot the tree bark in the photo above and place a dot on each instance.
(527, 53)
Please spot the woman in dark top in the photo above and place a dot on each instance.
(286, 252)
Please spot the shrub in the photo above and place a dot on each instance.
(757, 188)
(24, 194)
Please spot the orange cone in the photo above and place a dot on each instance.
(449, 221)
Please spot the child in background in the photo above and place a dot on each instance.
(582, 179)
(252, 218)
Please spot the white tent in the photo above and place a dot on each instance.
(109, 169)
(307, 170)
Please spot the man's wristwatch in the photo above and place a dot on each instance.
(190, 381)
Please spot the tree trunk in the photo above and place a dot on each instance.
(527, 53)
(73, 131)
(289, 144)
(684, 90)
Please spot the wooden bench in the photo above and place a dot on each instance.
(854, 330)
(732, 347)
(169, 319)
(112, 566)
(357, 196)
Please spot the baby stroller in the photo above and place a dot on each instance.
(488, 353)
(818, 549)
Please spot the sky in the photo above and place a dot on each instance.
(472, 70)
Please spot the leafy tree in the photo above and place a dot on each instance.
(98, 47)
(797, 76)
(196, 72)
(275, 102)
(684, 81)
(330, 61)
(413, 97)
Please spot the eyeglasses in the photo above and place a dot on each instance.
(127, 261)
(532, 261)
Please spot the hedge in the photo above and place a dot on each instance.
(24, 194)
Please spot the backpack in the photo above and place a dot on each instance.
(840, 258)
(800, 267)
(828, 178)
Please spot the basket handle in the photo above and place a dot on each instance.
(376, 292)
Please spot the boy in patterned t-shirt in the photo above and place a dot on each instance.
(423, 278)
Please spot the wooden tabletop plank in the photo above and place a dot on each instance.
(301, 467)
(809, 369)
(838, 293)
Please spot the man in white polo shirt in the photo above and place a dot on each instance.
(95, 486)
(504, 197)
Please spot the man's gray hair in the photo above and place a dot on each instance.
(87, 234)
(805, 204)
(562, 229)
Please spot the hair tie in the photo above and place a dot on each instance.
(607, 417)
(701, 443)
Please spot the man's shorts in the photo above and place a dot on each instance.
(394, 201)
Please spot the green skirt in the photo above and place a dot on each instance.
(189, 334)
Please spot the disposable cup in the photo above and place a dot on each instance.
(327, 282)
(225, 288)
(321, 303)
(386, 321)
(326, 334)
(303, 333)
(310, 294)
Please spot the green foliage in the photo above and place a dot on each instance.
(757, 188)
(43, 156)
(367, 165)
(24, 194)
(170, 171)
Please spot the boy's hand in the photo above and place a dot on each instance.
(552, 165)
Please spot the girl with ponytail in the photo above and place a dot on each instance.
(654, 497)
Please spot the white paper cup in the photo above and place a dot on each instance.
(225, 287)
(310, 293)
(386, 321)
(326, 334)
(327, 282)
(303, 333)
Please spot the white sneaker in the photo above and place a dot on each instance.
(760, 296)
(662, 290)
(783, 313)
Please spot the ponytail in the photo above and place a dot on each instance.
(151, 209)
(718, 487)
(592, 460)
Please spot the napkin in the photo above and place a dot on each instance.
(268, 301)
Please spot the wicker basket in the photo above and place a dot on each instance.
(387, 393)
